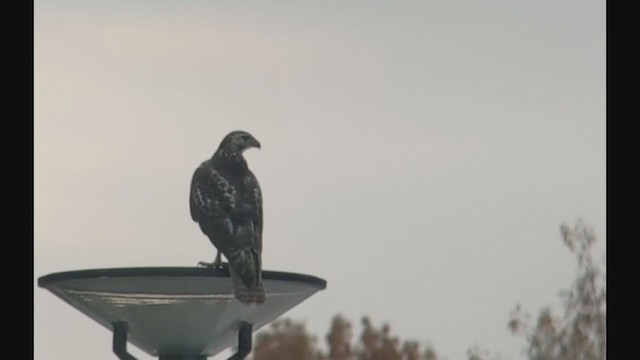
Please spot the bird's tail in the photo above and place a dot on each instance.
(244, 294)
(246, 276)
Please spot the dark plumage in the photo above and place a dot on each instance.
(226, 201)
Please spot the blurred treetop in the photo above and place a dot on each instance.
(578, 334)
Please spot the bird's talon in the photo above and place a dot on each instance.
(213, 265)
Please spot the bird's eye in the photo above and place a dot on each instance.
(245, 138)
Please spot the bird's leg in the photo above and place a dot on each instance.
(216, 263)
(218, 259)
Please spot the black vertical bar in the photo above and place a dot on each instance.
(120, 341)
(244, 342)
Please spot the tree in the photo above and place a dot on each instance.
(286, 339)
(339, 339)
(289, 340)
(580, 334)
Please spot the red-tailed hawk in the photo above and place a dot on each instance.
(226, 201)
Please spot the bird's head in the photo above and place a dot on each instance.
(239, 141)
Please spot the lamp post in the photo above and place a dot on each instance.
(177, 313)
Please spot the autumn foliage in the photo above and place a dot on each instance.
(289, 340)
(578, 334)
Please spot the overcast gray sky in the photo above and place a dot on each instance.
(418, 155)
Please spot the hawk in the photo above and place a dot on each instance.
(226, 201)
